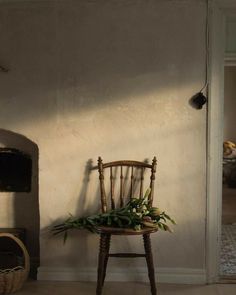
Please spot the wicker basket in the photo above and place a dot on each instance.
(13, 279)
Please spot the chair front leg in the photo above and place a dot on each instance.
(107, 247)
(149, 259)
(102, 261)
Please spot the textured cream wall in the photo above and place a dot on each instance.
(110, 78)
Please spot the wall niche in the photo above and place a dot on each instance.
(15, 170)
(19, 193)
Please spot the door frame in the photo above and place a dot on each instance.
(219, 10)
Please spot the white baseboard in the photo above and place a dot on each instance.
(163, 275)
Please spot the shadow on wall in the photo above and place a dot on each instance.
(23, 207)
(83, 205)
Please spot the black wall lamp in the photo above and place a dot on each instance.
(198, 100)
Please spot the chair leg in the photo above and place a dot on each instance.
(102, 261)
(149, 259)
(108, 239)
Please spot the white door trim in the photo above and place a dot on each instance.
(219, 11)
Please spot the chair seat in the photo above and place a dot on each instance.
(124, 231)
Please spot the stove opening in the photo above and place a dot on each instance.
(15, 171)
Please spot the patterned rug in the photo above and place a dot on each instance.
(228, 250)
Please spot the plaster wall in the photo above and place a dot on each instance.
(110, 78)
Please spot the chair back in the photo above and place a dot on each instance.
(127, 173)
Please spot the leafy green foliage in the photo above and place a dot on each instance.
(137, 214)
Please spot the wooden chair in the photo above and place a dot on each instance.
(106, 204)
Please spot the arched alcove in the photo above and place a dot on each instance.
(19, 203)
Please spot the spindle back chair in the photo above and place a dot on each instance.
(108, 202)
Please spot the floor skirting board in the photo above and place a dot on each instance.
(163, 275)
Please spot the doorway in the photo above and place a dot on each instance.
(228, 226)
(221, 11)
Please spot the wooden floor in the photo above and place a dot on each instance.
(117, 288)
